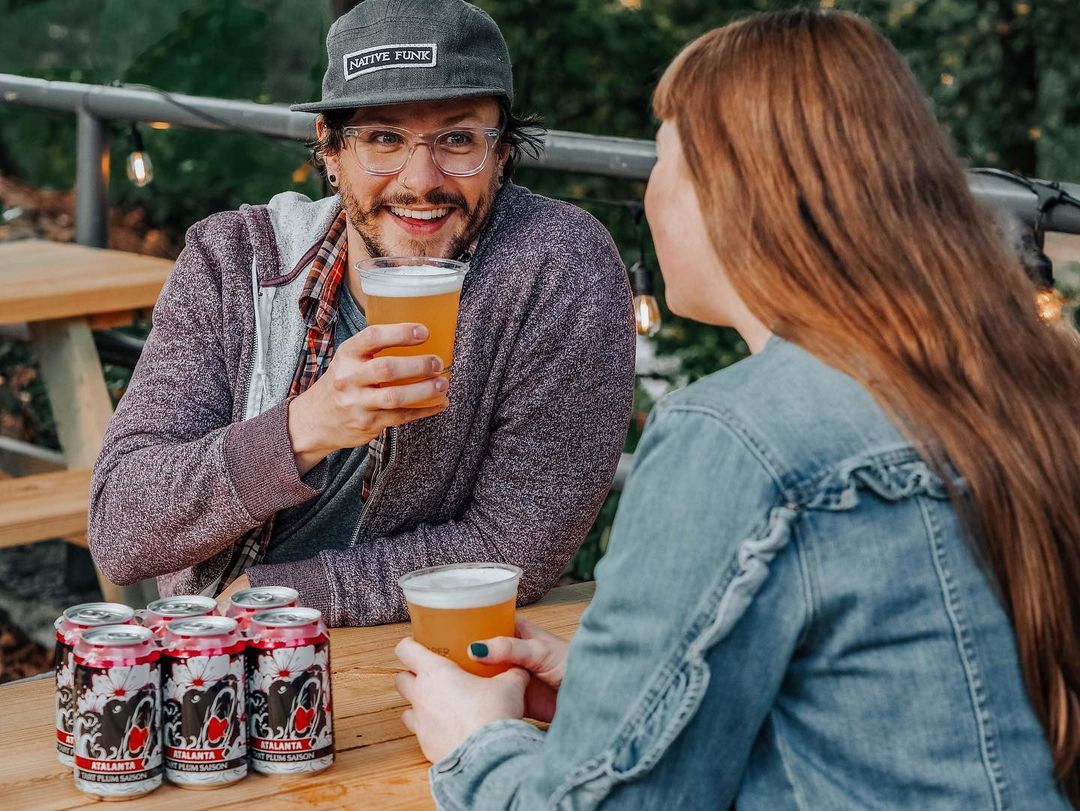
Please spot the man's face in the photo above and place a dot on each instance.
(387, 212)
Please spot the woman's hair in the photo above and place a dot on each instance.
(842, 217)
(523, 134)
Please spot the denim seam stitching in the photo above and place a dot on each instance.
(783, 751)
(729, 419)
(810, 593)
(750, 567)
(976, 690)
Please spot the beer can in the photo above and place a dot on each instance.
(203, 703)
(117, 712)
(161, 612)
(289, 708)
(68, 627)
(247, 603)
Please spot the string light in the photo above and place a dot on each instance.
(646, 310)
(1051, 305)
(140, 169)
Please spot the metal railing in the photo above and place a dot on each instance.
(626, 158)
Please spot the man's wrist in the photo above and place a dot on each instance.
(303, 438)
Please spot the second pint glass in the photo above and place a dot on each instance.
(454, 606)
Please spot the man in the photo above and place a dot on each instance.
(256, 444)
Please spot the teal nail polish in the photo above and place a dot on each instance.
(478, 649)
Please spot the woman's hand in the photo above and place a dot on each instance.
(448, 704)
(351, 403)
(541, 653)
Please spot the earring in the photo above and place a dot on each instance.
(333, 179)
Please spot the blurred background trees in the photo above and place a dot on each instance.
(1003, 77)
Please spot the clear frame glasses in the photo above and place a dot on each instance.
(457, 151)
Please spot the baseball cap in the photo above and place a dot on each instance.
(397, 51)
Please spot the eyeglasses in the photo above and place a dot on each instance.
(458, 151)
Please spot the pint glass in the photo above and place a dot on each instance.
(453, 606)
(415, 289)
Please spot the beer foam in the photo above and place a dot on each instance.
(466, 587)
(410, 280)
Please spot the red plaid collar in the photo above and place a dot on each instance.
(318, 302)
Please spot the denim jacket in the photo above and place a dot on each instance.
(788, 616)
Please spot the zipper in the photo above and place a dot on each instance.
(256, 371)
(254, 345)
(377, 485)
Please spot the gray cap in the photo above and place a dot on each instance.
(396, 51)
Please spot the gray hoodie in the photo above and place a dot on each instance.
(515, 470)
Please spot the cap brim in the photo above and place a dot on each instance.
(403, 96)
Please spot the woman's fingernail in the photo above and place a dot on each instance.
(436, 364)
(478, 649)
(441, 384)
(419, 332)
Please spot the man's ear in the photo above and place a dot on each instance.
(503, 156)
(329, 160)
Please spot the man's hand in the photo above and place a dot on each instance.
(239, 584)
(347, 407)
(448, 704)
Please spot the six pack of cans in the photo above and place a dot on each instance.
(177, 691)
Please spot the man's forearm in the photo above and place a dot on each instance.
(161, 507)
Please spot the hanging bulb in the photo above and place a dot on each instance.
(140, 170)
(647, 315)
(646, 310)
(1051, 305)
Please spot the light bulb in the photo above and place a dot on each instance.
(646, 314)
(1051, 304)
(140, 170)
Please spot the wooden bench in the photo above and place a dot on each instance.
(60, 292)
(42, 506)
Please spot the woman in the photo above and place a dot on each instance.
(844, 571)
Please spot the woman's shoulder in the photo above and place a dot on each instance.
(802, 419)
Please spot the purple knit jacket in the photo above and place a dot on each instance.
(515, 470)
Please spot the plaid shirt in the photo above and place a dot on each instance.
(319, 307)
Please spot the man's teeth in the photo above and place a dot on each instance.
(417, 214)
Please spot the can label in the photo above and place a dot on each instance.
(205, 739)
(117, 727)
(63, 665)
(289, 712)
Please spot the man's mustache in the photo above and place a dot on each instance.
(432, 198)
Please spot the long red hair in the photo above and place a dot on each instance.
(844, 221)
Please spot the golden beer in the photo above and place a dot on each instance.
(454, 606)
(415, 290)
(437, 312)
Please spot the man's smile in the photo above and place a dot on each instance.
(420, 221)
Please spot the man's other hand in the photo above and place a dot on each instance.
(239, 584)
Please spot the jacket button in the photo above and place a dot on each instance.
(446, 765)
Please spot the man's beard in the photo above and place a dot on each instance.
(364, 220)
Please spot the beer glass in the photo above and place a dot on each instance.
(418, 289)
(453, 606)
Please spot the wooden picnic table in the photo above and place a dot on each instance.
(61, 292)
(379, 764)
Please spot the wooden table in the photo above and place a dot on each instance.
(379, 764)
(62, 291)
